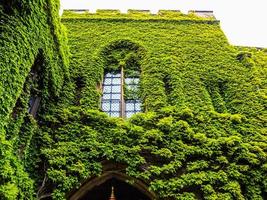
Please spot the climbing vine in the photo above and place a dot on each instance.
(198, 137)
(31, 34)
(202, 132)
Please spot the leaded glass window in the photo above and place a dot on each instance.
(132, 102)
(111, 98)
(120, 95)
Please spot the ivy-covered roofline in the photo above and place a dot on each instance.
(139, 15)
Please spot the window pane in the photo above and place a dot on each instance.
(116, 75)
(128, 81)
(132, 81)
(106, 96)
(108, 75)
(114, 114)
(138, 106)
(107, 81)
(129, 106)
(116, 81)
(132, 87)
(136, 81)
(107, 89)
(115, 106)
(115, 96)
(129, 114)
(116, 89)
(105, 106)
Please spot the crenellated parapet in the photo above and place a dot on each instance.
(196, 15)
(202, 13)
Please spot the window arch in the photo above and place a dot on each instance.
(121, 82)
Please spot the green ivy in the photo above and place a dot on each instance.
(202, 131)
(31, 32)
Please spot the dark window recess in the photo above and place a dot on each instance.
(32, 88)
(80, 84)
(120, 95)
(79, 81)
(36, 84)
(34, 103)
(17, 109)
(167, 86)
(217, 93)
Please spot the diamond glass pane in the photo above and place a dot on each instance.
(128, 81)
(116, 89)
(129, 114)
(108, 75)
(136, 81)
(106, 89)
(138, 106)
(106, 96)
(105, 106)
(115, 106)
(129, 106)
(114, 114)
(116, 81)
(107, 81)
(116, 75)
(115, 96)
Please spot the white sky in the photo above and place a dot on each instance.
(243, 21)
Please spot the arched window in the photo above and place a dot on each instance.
(120, 87)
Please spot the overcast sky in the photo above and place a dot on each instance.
(243, 21)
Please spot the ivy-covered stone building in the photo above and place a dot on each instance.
(154, 106)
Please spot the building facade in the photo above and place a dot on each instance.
(153, 106)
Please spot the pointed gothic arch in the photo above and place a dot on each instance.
(120, 87)
(94, 183)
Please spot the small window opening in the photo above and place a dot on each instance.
(80, 84)
(36, 85)
(167, 86)
(17, 109)
(217, 93)
(31, 89)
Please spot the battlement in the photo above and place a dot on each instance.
(203, 15)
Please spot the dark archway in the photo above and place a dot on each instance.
(125, 187)
(122, 191)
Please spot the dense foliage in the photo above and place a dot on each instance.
(202, 134)
(31, 34)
